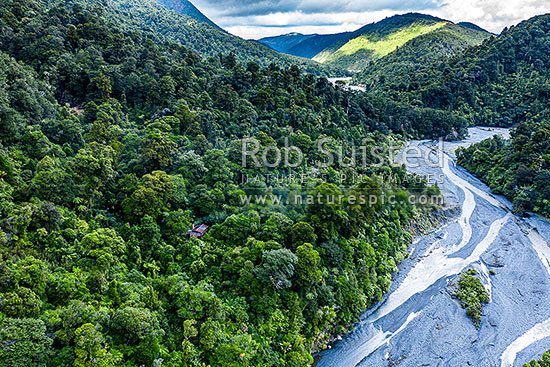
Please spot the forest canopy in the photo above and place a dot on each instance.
(116, 141)
(131, 232)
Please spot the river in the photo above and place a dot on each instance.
(347, 85)
(419, 323)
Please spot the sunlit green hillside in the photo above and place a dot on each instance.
(356, 53)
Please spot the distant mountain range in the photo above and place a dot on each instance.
(421, 35)
(355, 50)
(285, 42)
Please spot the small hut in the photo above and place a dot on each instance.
(198, 231)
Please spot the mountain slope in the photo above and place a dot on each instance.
(185, 7)
(355, 50)
(114, 142)
(359, 51)
(426, 49)
(518, 169)
(285, 42)
(312, 46)
(503, 81)
(197, 36)
(380, 39)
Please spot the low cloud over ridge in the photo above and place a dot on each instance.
(260, 18)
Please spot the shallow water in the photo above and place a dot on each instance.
(347, 85)
(420, 324)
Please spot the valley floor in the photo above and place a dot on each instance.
(420, 324)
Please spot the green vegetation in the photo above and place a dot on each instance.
(518, 169)
(414, 55)
(114, 141)
(543, 362)
(472, 295)
(24, 342)
(185, 7)
(502, 82)
(358, 52)
(196, 35)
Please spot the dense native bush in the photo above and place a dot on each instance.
(502, 82)
(115, 141)
(518, 169)
(543, 362)
(472, 295)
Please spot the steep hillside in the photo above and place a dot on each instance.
(503, 81)
(355, 50)
(285, 42)
(185, 7)
(115, 141)
(197, 36)
(403, 63)
(24, 99)
(518, 169)
(312, 46)
(376, 43)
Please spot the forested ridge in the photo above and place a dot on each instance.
(114, 141)
(518, 169)
(207, 40)
(446, 41)
(121, 128)
(378, 40)
(357, 50)
(185, 7)
(502, 82)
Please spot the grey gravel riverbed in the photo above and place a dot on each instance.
(419, 323)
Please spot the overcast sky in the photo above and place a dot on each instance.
(260, 18)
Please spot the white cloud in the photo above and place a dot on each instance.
(492, 15)
(298, 18)
(259, 26)
(260, 18)
(253, 32)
